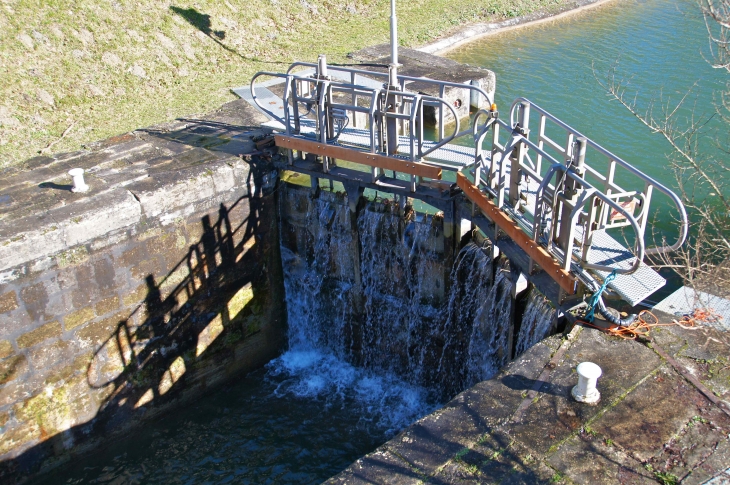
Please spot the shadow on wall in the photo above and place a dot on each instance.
(189, 331)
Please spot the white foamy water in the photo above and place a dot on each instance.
(384, 402)
(319, 281)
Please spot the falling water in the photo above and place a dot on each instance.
(476, 330)
(322, 293)
(400, 279)
(537, 321)
(376, 319)
(319, 279)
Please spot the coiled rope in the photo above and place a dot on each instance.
(646, 320)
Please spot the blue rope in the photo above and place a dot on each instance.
(593, 301)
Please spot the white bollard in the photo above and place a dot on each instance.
(585, 391)
(78, 178)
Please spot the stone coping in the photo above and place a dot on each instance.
(651, 425)
(475, 31)
(153, 176)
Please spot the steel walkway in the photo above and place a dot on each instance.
(553, 198)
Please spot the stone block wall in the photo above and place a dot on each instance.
(160, 283)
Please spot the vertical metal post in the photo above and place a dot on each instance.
(648, 190)
(570, 191)
(608, 190)
(518, 155)
(324, 123)
(321, 66)
(442, 95)
(354, 101)
(391, 106)
(392, 123)
(493, 179)
(393, 37)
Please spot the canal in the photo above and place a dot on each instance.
(308, 414)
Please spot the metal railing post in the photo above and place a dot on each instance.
(518, 155)
(391, 106)
(570, 192)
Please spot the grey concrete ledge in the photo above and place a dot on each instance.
(153, 176)
(473, 32)
(522, 426)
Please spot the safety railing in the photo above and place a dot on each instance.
(481, 97)
(321, 98)
(555, 191)
(558, 185)
(604, 215)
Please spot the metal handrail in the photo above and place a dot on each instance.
(255, 98)
(442, 142)
(417, 101)
(402, 80)
(385, 76)
(590, 192)
(649, 181)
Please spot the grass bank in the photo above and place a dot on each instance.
(77, 71)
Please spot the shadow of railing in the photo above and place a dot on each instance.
(186, 331)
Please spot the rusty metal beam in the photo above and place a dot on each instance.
(566, 281)
(356, 156)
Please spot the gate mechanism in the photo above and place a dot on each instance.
(577, 211)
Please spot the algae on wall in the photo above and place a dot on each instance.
(160, 290)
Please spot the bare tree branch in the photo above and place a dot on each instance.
(701, 175)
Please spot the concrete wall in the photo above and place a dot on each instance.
(115, 305)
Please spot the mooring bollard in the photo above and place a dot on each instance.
(585, 391)
(78, 179)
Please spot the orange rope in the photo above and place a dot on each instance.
(646, 320)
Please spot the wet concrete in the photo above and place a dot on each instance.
(652, 425)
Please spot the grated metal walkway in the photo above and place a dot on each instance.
(450, 157)
(607, 251)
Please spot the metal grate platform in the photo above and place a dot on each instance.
(606, 250)
(633, 288)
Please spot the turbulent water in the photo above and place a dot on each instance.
(536, 322)
(325, 293)
(369, 292)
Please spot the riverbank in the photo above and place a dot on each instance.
(70, 75)
(472, 32)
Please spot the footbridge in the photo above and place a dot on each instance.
(570, 215)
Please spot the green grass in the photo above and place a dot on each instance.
(104, 67)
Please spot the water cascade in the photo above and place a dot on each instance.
(324, 297)
(537, 321)
(401, 289)
(378, 320)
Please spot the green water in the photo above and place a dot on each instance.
(659, 47)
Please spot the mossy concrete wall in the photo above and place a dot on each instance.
(117, 304)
